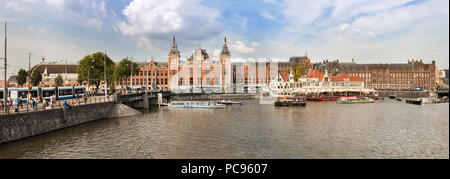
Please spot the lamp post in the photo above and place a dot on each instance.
(104, 71)
(132, 69)
(88, 78)
(5, 91)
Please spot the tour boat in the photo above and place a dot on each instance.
(324, 98)
(196, 104)
(291, 101)
(355, 100)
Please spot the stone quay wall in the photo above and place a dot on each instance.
(18, 126)
(214, 97)
(407, 94)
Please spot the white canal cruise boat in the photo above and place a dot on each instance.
(196, 104)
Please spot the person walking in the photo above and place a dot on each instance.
(7, 105)
(20, 103)
(1, 105)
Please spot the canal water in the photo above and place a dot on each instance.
(386, 129)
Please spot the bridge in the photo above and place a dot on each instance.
(144, 100)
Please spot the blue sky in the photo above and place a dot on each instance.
(383, 31)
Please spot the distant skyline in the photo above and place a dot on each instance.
(383, 31)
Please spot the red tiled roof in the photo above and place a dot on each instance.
(285, 76)
(340, 77)
(343, 76)
(316, 74)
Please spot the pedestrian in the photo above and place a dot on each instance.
(7, 105)
(20, 103)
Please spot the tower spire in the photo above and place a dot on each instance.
(174, 49)
(225, 47)
(174, 41)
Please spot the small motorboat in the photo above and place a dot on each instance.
(392, 97)
(399, 99)
(414, 101)
(229, 102)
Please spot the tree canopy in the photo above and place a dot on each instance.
(298, 70)
(94, 65)
(123, 70)
(36, 78)
(59, 81)
(22, 77)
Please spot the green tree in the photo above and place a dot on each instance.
(94, 65)
(22, 77)
(36, 78)
(123, 70)
(59, 81)
(298, 70)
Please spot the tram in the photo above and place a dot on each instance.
(46, 93)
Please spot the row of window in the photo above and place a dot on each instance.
(153, 73)
(420, 81)
(395, 75)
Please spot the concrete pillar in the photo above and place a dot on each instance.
(160, 98)
(117, 99)
(146, 103)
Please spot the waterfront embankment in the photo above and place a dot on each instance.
(407, 94)
(22, 125)
(215, 97)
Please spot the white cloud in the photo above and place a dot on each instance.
(33, 29)
(242, 48)
(15, 6)
(95, 24)
(159, 19)
(269, 16)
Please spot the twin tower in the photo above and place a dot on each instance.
(175, 66)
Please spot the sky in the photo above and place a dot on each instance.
(382, 31)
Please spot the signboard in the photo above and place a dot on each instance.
(14, 95)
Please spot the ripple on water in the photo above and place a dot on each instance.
(321, 130)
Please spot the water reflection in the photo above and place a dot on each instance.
(386, 129)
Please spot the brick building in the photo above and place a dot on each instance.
(408, 76)
(153, 75)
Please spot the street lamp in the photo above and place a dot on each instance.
(104, 71)
(88, 80)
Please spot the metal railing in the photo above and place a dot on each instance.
(59, 104)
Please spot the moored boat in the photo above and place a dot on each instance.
(355, 100)
(399, 99)
(291, 101)
(229, 102)
(196, 104)
(414, 101)
(324, 98)
(392, 97)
